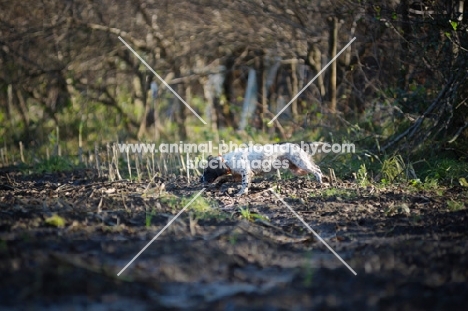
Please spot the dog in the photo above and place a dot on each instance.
(244, 163)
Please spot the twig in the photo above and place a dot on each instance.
(409, 132)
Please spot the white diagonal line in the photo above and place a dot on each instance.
(318, 236)
(311, 81)
(160, 232)
(162, 80)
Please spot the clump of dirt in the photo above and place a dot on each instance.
(65, 236)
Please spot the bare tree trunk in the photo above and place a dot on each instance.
(264, 94)
(333, 47)
(10, 104)
(180, 115)
(141, 99)
(250, 99)
(210, 108)
(228, 93)
(314, 59)
(348, 75)
(155, 100)
(459, 16)
(23, 108)
(294, 88)
(184, 111)
(461, 10)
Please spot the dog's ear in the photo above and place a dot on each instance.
(210, 157)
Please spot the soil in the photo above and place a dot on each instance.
(64, 237)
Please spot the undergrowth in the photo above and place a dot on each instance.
(201, 208)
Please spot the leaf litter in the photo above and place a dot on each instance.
(65, 236)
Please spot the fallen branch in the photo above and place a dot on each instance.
(410, 131)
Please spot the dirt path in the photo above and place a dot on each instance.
(64, 238)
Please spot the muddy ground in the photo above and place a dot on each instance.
(65, 236)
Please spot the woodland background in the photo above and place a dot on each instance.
(400, 89)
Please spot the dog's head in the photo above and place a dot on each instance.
(215, 168)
